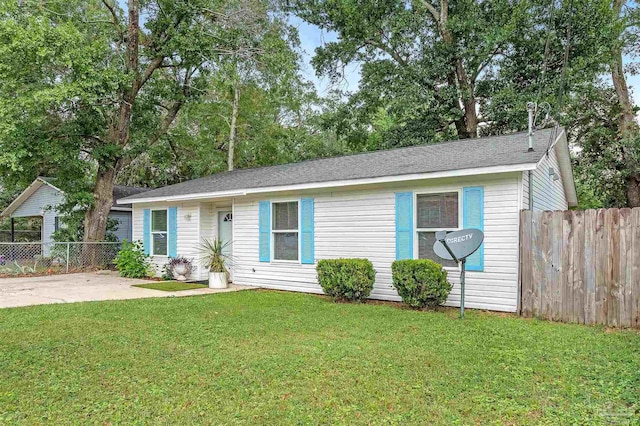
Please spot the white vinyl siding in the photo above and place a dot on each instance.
(361, 223)
(547, 193)
(188, 232)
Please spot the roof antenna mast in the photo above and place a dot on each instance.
(531, 108)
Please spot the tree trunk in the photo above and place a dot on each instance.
(633, 191)
(95, 219)
(628, 125)
(627, 118)
(461, 122)
(467, 125)
(234, 123)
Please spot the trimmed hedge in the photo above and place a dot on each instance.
(422, 283)
(346, 279)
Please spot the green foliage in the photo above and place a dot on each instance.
(422, 283)
(131, 261)
(601, 167)
(72, 227)
(346, 279)
(213, 256)
(67, 82)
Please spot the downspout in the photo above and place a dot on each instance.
(531, 107)
(530, 189)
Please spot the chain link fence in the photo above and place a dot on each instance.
(38, 258)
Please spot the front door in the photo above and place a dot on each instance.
(225, 234)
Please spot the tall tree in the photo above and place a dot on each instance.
(625, 36)
(422, 60)
(112, 83)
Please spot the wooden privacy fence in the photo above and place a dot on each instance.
(581, 266)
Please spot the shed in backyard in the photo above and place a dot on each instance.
(42, 198)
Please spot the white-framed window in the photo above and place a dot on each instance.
(159, 232)
(436, 211)
(285, 230)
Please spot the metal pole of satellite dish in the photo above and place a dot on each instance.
(463, 261)
(462, 274)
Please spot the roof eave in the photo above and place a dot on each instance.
(24, 195)
(333, 184)
(566, 169)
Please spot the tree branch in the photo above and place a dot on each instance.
(172, 112)
(146, 75)
(112, 10)
(432, 10)
(388, 50)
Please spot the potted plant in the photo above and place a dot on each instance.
(180, 268)
(177, 268)
(213, 257)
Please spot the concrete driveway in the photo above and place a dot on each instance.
(83, 287)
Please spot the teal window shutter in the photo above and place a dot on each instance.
(172, 231)
(307, 231)
(473, 217)
(404, 225)
(146, 231)
(264, 228)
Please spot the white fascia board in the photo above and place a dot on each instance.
(24, 195)
(50, 184)
(566, 172)
(33, 187)
(555, 141)
(335, 184)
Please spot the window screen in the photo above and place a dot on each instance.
(435, 212)
(285, 216)
(438, 211)
(285, 231)
(159, 232)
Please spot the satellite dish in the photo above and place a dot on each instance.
(458, 245)
(462, 243)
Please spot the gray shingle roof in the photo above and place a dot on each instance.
(446, 156)
(120, 191)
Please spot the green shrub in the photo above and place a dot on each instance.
(131, 261)
(422, 283)
(346, 279)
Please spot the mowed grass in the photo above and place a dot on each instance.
(170, 286)
(282, 358)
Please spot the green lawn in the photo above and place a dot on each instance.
(271, 357)
(170, 286)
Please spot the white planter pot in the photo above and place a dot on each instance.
(180, 272)
(217, 280)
